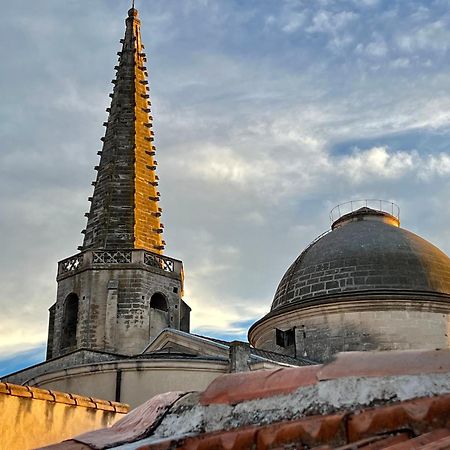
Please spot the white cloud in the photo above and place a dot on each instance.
(328, 22)
(400, 63)
(376, 162)
(367, 2)
(294, 22)
(420, 14)
(435, 165)
(434, 36)
(263, 119)
(377, 48)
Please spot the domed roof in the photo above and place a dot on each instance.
(365, 251)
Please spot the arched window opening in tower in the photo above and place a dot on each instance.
(70, 321)
(159, 302)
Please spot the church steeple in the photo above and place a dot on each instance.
(124, 211)
(119, 291)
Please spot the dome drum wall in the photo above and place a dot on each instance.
(364, 324)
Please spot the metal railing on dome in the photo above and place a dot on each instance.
(378, 205)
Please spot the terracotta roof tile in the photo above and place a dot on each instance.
(418, 423)
(83, 401)
(440, 444)
(376, 364)
(305, 433)
(62, 397)
(137, 424)
(67, 445)
(105, 405)
(310, 432)
(18, 390)
(42, 394)
(168, 444)
(120, 407)
(419, 415)
(376, 428)
(238, 387)
(437, 437)
(232, 440)
(377, 442)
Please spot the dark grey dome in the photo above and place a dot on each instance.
(364, 255)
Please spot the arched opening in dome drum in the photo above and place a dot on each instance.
(70, 322)
(159, 314)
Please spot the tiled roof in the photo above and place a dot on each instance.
(371, 400)
(255, 354)
(209, 338)
(177, 355)
(270, 356)
(278, 357)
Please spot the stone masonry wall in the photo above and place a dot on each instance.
(319, 336)
(114, 307)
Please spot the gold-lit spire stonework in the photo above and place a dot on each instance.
(124, 211)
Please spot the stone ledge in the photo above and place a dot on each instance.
(124, 266)
(62, 397)
(358, 301)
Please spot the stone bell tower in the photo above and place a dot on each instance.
(120, 291)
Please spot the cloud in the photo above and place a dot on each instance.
(369, 3)
(400, 63)
(266, 116)
(376, 162)
(432, 36)
(328, 22)
(294, 22)
(377, 48)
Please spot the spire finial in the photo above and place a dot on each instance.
(133, 11)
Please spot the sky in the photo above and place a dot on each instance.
(267, 114)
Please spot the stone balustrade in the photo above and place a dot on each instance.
(101, 258)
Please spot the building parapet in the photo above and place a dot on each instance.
(62, 397)
(100, 258)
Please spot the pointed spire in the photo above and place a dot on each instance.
(124, 209)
